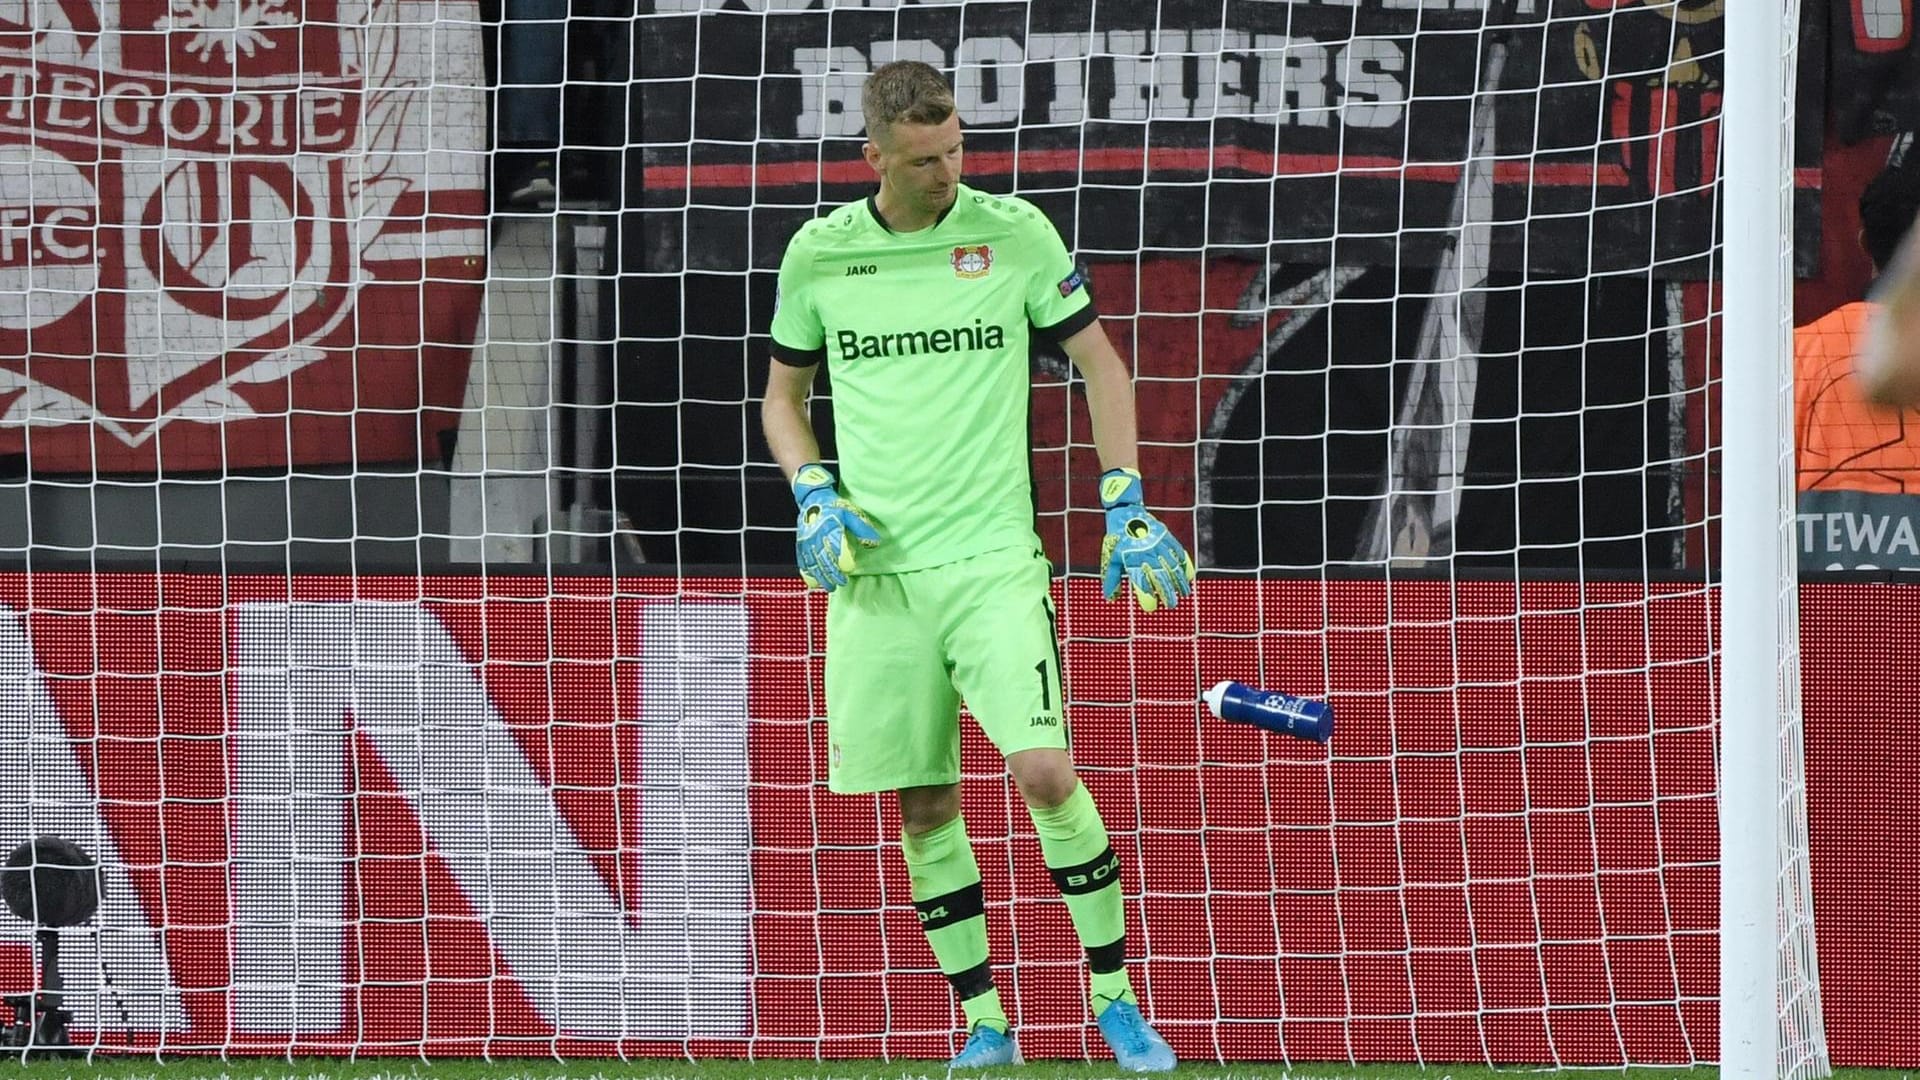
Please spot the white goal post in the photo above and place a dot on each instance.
(1770, 1017)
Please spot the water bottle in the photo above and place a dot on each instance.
(1302, 718)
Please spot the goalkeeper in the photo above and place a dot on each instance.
(921, 299)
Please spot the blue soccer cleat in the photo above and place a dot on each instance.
(986, 1047)
(1136, 1046)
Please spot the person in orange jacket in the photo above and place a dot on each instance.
(1850, 433)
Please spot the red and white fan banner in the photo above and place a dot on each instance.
(228, 237)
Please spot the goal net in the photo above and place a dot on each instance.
(400, 619)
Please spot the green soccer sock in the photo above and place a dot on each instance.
(1081, 860)
(946, 892)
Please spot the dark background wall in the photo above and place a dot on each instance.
(1268, 141)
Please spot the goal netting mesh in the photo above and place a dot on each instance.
(400, 619)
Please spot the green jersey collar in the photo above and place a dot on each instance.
(873, 207)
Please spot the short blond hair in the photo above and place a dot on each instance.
(905, 91)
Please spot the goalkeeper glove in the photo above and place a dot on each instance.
(827, 521)
(1138, 548)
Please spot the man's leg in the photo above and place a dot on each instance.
(533, 57)
(893, 725)
(1073, 840)
(946, 893)
(1004, 650)
(1006, 662)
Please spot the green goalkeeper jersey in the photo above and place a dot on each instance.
(925, 335)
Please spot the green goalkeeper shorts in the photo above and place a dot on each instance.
(904, 650)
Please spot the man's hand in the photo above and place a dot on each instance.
(827, 521)
(1138, 548)
(1889, 363)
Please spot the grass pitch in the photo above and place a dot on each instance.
(318, 1069)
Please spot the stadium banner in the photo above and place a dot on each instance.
(1310, 119)
(530, 815)
(1875, 61)
(1849, 529)
(227, 239)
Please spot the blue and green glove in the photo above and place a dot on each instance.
(827, 522)
(1138, 548)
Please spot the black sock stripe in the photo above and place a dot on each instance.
(1102, 959)
(1091, 876)
(963, 903)
(973, 982)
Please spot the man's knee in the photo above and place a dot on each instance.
(1046, 777)
(924, 809)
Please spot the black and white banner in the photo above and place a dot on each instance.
(1310, 120)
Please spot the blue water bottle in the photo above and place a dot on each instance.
(1302, 718)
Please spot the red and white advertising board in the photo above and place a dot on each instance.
(331, 817)
(533, 815)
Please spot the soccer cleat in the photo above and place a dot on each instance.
(986, 1047)
(1136, 1046)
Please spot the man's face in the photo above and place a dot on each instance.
(920, 162)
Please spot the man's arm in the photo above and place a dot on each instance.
(784, 419)
(1138, 549)
(831, 529)
(1889, 365)
(1116, 432)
